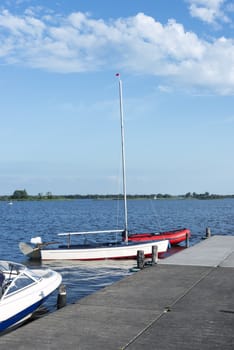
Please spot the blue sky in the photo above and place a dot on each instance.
(60, 129)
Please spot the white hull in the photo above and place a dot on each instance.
(100, 253)
(17, 306)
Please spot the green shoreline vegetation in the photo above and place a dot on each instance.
(22, 195)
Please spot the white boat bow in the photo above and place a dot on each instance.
(22, 291)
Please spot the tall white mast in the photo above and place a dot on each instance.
(123, 159)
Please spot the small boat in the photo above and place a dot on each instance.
(117, 250)
(175, 236)
(85, 252)
(22, 291)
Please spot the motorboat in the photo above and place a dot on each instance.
(22, 292)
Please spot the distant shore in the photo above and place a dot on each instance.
(23, 196)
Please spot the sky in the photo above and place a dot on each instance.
(59, 114)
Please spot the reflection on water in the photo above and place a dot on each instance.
(84, 278)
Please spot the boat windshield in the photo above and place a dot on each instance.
(18, 283)
(15, 277)
(14, 268)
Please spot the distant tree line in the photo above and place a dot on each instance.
(19, 195)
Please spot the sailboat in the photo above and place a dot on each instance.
(117, 250)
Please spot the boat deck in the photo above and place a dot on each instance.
(186, 301)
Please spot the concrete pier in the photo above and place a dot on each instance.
(184, 302)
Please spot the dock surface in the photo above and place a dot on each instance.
(186, 301)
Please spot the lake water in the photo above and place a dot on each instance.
(23, 220)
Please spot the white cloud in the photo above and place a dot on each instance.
(209, 11)
(138, 44)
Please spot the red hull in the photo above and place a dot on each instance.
(175, 237)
